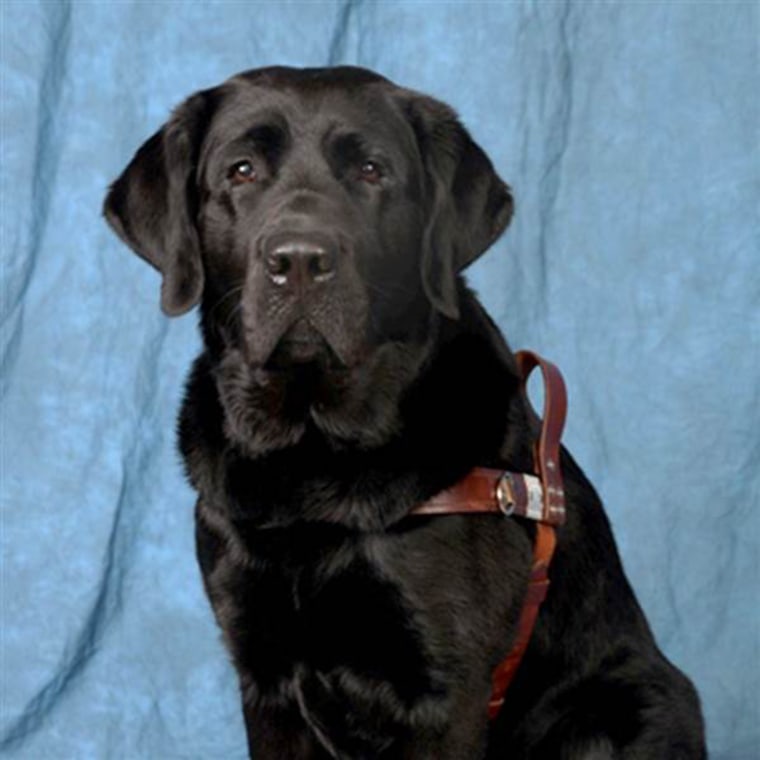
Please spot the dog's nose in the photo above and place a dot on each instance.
(299, 262)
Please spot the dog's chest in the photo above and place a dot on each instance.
(308, 597)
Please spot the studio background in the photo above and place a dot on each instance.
(629, 133)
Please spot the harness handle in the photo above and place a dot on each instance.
(546, 456)
(546, 452)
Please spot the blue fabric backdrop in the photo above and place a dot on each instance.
(629, 132)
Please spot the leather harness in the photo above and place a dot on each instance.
(539, 497)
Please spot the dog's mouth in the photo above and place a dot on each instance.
(303, 344)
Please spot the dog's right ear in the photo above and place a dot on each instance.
(152, 206)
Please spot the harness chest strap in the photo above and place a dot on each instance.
(538, 497)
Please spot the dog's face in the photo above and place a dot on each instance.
(321, 216)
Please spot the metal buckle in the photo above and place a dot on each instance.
(505, 495)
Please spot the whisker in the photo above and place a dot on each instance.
(233, 315)
(235, 290)
(387, 292)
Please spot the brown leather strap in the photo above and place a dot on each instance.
(539, 497)
(546, 455)
(488, 490)
(538, 587)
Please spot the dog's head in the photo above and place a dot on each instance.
(321, 216)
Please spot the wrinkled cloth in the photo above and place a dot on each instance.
(628, 132)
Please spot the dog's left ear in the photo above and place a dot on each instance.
(470, 205)
(153, 204)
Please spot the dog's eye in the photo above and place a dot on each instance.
(370, 172)
(242, 171)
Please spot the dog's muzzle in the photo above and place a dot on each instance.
(304, 300)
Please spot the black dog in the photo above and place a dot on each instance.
(322, 217)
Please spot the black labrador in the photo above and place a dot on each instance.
(322, 217)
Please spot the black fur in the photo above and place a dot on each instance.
(348, 375)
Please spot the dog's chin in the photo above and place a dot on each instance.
(306, 387)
